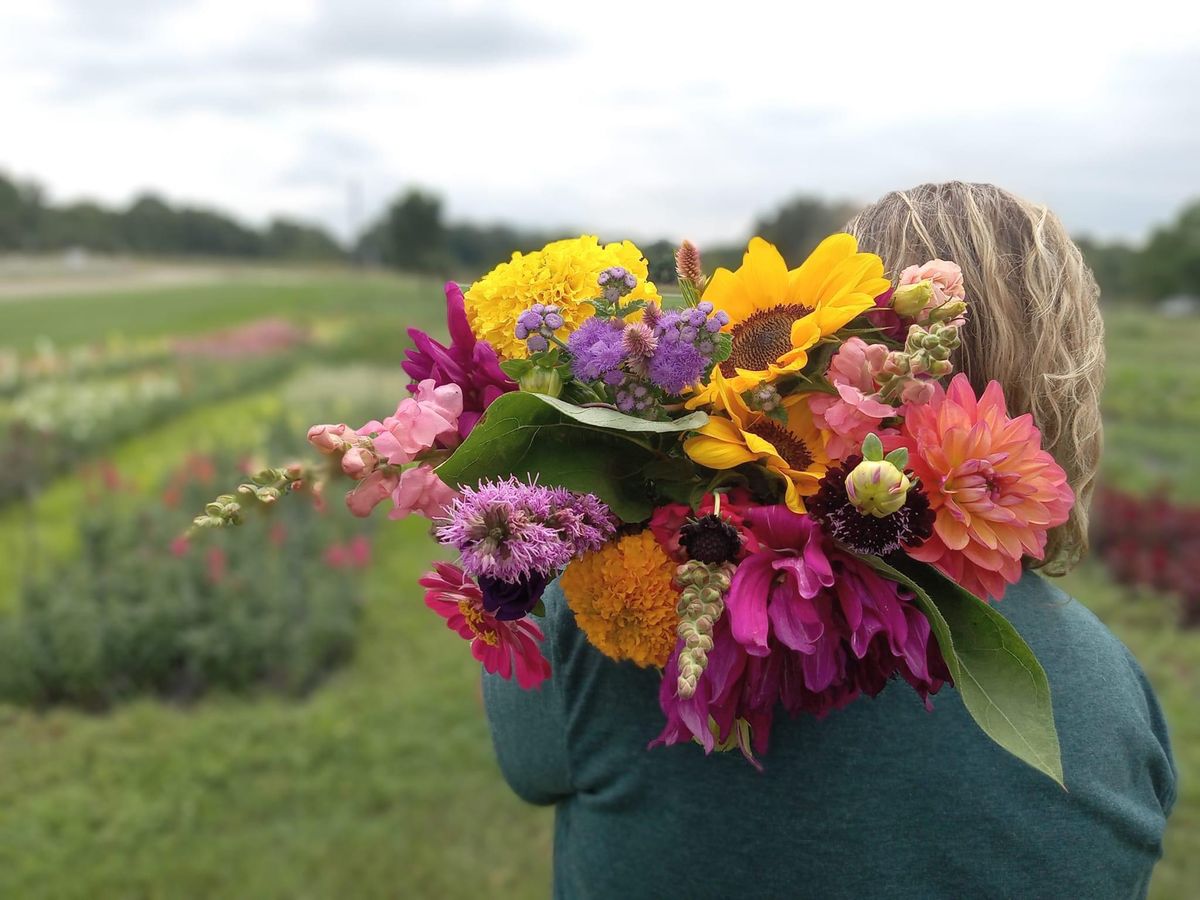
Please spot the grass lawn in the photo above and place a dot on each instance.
(382, 783)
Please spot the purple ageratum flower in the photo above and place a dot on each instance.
(596, 348)
(684, 345)
(470, 363)
(537, 324)
(676, 365)
(616, 282)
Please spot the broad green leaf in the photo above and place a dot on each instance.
(594, 450)
(1001, 683)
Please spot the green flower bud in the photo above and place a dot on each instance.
(540, 380)
(877, 487)
(910, 299)
(951, 309)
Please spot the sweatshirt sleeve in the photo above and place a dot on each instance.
(529, 729)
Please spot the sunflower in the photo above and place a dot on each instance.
(776, 316)
(795, 450)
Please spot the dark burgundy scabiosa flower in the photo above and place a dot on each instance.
(470, 363)
(711, 539)
(909, 526)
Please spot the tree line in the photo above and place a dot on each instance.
(149, 226)
(413, 234)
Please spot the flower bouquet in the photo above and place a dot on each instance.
(771, 487)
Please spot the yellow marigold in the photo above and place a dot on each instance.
(624, 599)
(563, 273)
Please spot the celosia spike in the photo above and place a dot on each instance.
(687, 265)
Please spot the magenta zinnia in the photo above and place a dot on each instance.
(504, 648)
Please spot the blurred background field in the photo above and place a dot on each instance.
(281, 716)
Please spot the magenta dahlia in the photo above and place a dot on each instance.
(468, 362)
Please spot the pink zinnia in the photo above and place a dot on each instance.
(505, 648)
(994, 491)
(469, 363)
(856, 411)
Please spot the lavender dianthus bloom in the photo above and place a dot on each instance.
(596, 348)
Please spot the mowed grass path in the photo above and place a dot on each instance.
(382, 784)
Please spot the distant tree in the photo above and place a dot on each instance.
(661, 258)
(210, 233)
(1115, 266)
(83, 224)
(286, 239)
(20, 214)
(151, 226)
(1170, 263)
(801, 223)
(414, 236)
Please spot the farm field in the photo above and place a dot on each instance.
(380, 781)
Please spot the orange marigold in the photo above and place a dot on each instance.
(624, 599)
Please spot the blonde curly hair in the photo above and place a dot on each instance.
(1034, 324)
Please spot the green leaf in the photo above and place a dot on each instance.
(515, 368)
(594, 450)
(872, 448)
(898, 458)
(1001, 683)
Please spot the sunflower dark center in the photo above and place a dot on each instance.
(761, 338)
(790, 446)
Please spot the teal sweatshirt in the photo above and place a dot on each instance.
(881, 799)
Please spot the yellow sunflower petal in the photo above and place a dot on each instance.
(804, 283)
(716, 453)
(764, 274)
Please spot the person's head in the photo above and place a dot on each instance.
(1034, 323)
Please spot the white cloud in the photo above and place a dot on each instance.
(624, 117)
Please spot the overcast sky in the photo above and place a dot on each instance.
(621, 116)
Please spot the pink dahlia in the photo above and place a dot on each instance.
(994, 491)
(504, 648)
(468, 362)
(856, 411)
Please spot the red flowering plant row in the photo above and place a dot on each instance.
(776, 491)
(1161, 554)
(140, 610)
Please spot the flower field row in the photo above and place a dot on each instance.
(1152, 543)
